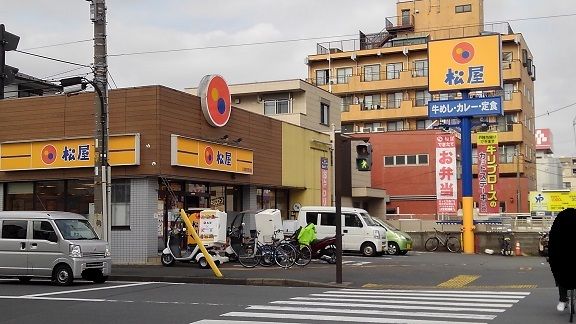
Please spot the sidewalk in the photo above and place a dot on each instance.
(312, 275)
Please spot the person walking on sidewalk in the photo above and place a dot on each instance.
(561, 246)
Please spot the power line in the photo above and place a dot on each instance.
(51, 58)
(59, 44)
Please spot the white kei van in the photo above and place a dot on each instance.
(58, 245)
(359, 232)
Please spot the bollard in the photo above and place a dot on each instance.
(517, 250)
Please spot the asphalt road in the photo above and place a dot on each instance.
(423, 288)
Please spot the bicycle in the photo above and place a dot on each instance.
(452, 243)
(303, 251)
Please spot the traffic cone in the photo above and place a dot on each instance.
(517, 250)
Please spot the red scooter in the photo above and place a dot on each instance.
(324, 249)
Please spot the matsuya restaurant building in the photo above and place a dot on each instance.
(167, 150)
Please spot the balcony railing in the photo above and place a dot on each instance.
(369, 41)
(384, 104)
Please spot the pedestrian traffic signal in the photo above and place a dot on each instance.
(364, 157)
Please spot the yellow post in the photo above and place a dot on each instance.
(198, 241)
(468, 224)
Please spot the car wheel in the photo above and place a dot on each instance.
(393, 248)
(62, 275)
(368, 249)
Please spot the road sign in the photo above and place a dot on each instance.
(489, 106)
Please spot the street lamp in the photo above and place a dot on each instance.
(102, 174)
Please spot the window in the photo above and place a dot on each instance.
(393, 100)
(423, 124)
(14, 229)
(372, 101)
(324, 113)
(327, 219)
(322, 77)
(395, 126)
(464, 8)
(349, 128)
(447, 96)
(422, 158)
(406, 17)
(346, 102)
(422, 98)
(352, 220)
(43, 230)
(343, 74)
(76, 229)
(420, 68)
(506, 122)
(409, 160)
(506, 60)
(276, 107)
(508, 90)
(388, 160)
(120, 202)
(19, 196)
(372, 72)
(393, 71)
(507, 153)
(374, 127)
(311, 217)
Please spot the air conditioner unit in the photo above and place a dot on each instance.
(366, 130)
(380, 129)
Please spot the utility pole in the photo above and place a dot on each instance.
(102, 177)
(517, 179)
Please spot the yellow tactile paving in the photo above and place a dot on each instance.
(458, 281)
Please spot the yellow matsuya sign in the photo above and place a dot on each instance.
(195, 153)
(465, 63)
(67, 153)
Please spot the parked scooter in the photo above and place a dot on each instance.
(324, 249)
(543, 244)
(173, 251)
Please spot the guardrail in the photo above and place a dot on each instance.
(410, 223)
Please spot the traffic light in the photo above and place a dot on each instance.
(364, 157)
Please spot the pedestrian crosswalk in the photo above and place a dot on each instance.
(379, 306)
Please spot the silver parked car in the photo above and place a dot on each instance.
(58, 245)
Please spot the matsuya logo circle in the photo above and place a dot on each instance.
(463, 53)
(208, 155)
(216, 102)
(48, 154)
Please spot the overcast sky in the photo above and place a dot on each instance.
(156, 25)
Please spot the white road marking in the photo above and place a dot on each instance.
(411, 302)
(284, 309)
(297, 316)
(442, 291)
(235, 322)
(435, 294)
(483, 300)
(380, 306)
(88, 289)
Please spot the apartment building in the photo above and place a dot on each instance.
(382, 79)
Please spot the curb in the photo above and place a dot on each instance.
(227, 281)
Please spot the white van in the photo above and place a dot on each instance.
(61, 246)
(359, 232)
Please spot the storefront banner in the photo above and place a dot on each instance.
(446, 177)
(487, 147)
(324, 181)
(67, 153)
(551, 201)
(194, 153)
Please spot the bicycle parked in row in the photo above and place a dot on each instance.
(451, 242)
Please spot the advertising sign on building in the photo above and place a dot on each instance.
(446, 174)
(488, 172)
(465, 63)
(543, 139)
(489, 106)
(551, 201)
(324, 181)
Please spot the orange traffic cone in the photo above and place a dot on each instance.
(517, 249)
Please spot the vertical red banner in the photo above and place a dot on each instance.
(446, 174)
(487, 147)
(324, 182)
